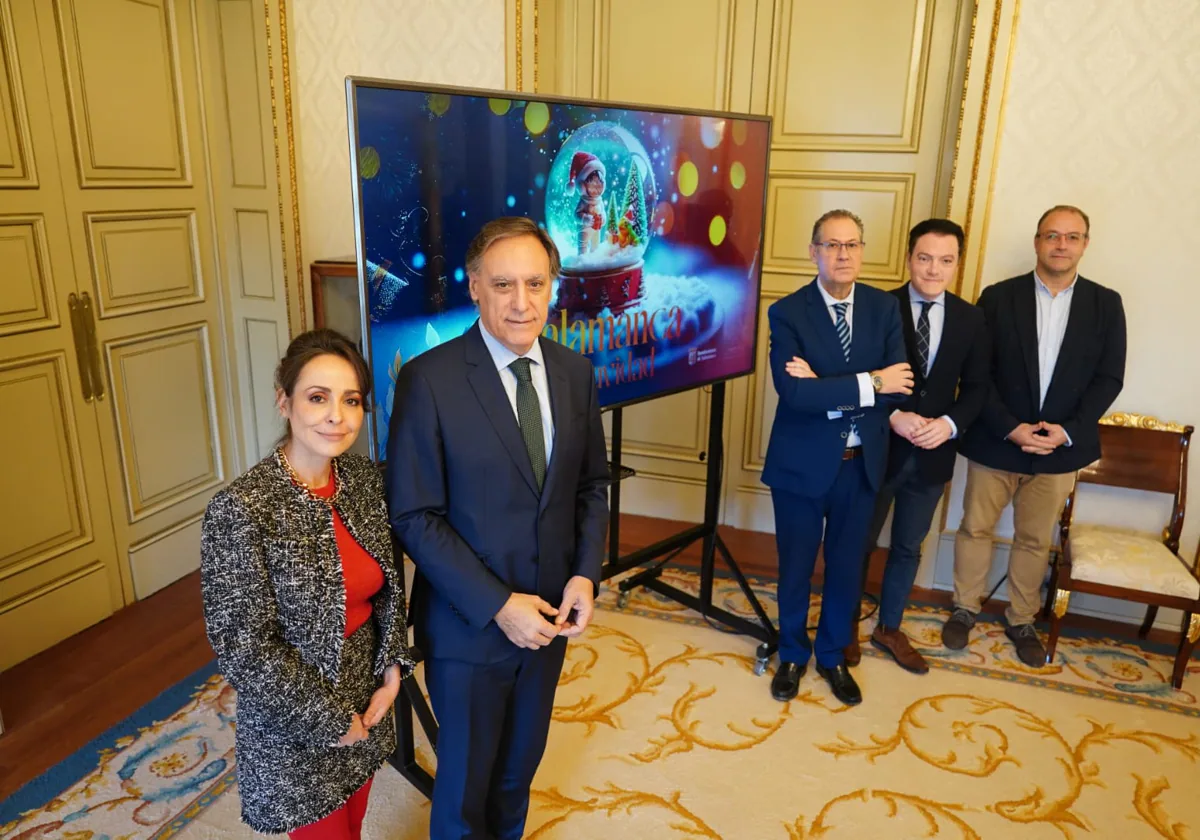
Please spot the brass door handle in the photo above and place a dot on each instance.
(82, 353)
(88, 316)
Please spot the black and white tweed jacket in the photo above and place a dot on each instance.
(274, 598)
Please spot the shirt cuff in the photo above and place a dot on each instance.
(953, 428)
(866, 391)
(1068, 437)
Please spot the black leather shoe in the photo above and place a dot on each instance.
(843, 685)
(786, 682)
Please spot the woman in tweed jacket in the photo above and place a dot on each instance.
(295, 553)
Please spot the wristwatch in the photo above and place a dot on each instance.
(877, 382)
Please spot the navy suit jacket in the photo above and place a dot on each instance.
(957, 385)
(464, 503)
(805, 450)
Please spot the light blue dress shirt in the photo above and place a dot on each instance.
(503, 357)
(1052, 314)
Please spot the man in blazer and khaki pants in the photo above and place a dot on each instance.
(1058, 362)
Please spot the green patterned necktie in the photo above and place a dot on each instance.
(529, 415)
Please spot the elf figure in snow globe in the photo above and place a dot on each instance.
(587, 176)
(599, 197)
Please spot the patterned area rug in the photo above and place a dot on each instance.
(662, 731)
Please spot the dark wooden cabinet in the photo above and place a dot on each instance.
(335, 296)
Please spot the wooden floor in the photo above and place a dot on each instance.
(61, 699)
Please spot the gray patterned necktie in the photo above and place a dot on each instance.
(529, 416)
(923, 336)
(843, 330)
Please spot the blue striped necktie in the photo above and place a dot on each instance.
(843, 330)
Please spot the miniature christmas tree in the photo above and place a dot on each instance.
(635, 205)
(614, 219)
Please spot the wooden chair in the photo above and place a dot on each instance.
(1140, 453)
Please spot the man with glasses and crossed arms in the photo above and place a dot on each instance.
(839, 365)
(1058, 362)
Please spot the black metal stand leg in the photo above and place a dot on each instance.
(411, 701)
(763, 630)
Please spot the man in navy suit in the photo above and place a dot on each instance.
(947, 342)
(839, 366)
(497, 490)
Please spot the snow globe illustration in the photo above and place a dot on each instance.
(600, 198)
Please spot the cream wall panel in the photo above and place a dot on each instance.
(27, 293)
(632, 32)
(59, 566)
(39, 485)
(240, 91)
(262, 340)
(259, 279)
(167, 428)
(851, 74)
(122, 60)
(241, 60)
(456, 42)
(882, 201)
(16, 164)
(144, 261)
(165, 558)
(27, 627)
(1103, 114)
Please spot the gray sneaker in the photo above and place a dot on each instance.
(957, 629)
(1029, 647)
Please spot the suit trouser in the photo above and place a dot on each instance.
(1037, 501)
(843, 512)
(493, 720)
(916, 500)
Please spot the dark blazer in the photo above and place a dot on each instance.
(464, 501)
(957, 385)
(275, 613)
(805, 450)
(1088, 376)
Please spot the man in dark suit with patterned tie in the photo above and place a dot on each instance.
(947, 343)
(497, 477)
(839, 366)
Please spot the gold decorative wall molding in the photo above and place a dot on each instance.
(285, 139)
(522, 23)
(977, 143)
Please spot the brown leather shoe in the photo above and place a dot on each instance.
(896, 644)
(853, 653)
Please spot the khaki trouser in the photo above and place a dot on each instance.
(1037, 503)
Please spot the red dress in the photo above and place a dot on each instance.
(361, 573)
(363, 579)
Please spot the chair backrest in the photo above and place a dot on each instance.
(1144, 453)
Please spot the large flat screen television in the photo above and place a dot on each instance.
(657, 213)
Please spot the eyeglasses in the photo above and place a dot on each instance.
(833, 247)
(1055, 237)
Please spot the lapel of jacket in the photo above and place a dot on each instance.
(1083, 312)
(1025, 312)
(560, 411)
(489, 390)
(826, 333)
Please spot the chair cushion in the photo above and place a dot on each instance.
(1128, 559)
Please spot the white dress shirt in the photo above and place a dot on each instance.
(1052, 314)
(503, 357)
(937, 325)
(866, 391)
